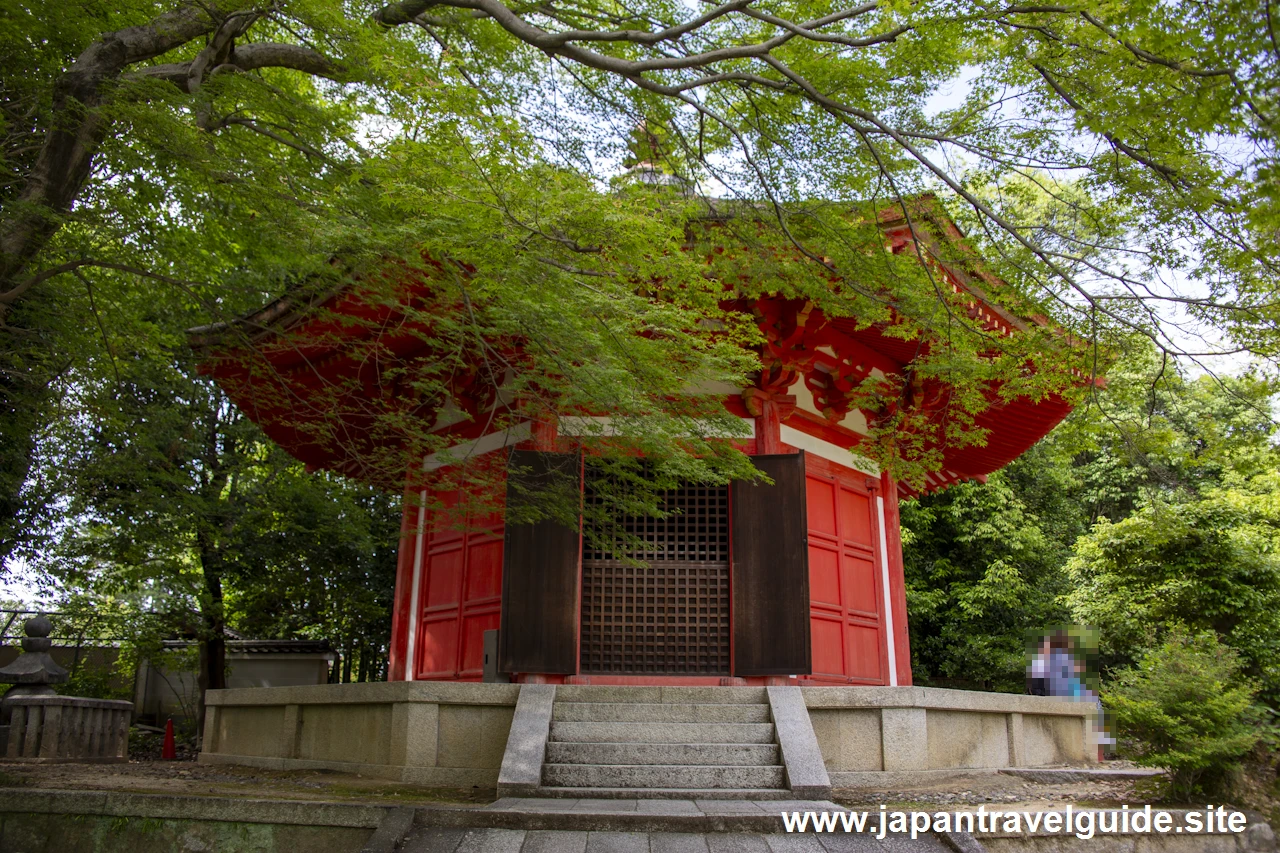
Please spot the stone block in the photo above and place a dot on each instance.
(1017, 751)
(358, 734)
(211, 728)
(1053, 740)
(940, 699)
(473, 736)
(607, 693)
(290, 730)
(713, 695)
(677, 842)
(662, 712)
(250, 731)
(806, 772)
(414, 734)
(963, 739)
(904, 740)
(661, 776)
(526, 746)
(442, 692)
(661, 753)
(850, 739)
(617, 842)
(492, 841)
(554, 841)
(663, 732)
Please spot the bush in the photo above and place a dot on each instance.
(1186, 708)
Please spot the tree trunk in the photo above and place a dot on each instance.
(212, 674)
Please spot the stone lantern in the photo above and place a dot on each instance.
(34, 672)
(36, 724)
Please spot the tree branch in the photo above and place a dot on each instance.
(249, 57)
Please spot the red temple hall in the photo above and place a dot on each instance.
(798, 581)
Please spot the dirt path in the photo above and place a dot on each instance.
(190, 778)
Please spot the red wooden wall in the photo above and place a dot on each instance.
(846, 590)
(460, 597)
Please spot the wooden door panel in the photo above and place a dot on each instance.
(539, 572)
(841, 524)
(444, 577)
(862, 587)
(484, 569)
(824, 575)
(828, 645)
(438, 649)
(855, 518)
(771, 624)
(820, 498)
(473, 628)
(864, 643)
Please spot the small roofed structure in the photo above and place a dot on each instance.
(746, 584)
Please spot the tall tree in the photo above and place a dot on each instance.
(1202, 563)
(318, 561)
(224, 149)
(1148, 507)
(175, 502)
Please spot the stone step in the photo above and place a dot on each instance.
(660, 776)
(746, 794)
(711, 754)
(573, 732)
(656, 695)
(620, 712)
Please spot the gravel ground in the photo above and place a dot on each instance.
(186, 777)
(996, 788)
(145, 773)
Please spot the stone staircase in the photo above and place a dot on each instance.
(663, 742)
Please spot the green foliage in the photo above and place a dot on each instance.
(982, 571)
(189, 521)
(1154, 434)
(1178, 477)
(1185, 708)
(1211, 563)
(318, 562)
(213, 184)
(97, 682)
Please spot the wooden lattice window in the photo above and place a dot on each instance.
(670, 612)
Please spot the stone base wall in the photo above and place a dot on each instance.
(865, 731)
(438, 734)
(446, 734)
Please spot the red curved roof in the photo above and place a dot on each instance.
(324, 378)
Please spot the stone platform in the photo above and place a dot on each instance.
(456, 735)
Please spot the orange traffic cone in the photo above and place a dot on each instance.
(169, 751)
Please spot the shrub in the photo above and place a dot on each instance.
(1186, 708)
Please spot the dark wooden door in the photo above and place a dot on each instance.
(539, 570)
(771, 571)
(663, 610)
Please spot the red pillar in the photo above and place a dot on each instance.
(897, 582)
(398, 665)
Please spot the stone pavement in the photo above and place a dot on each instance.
(569, 841)
(530, 825)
